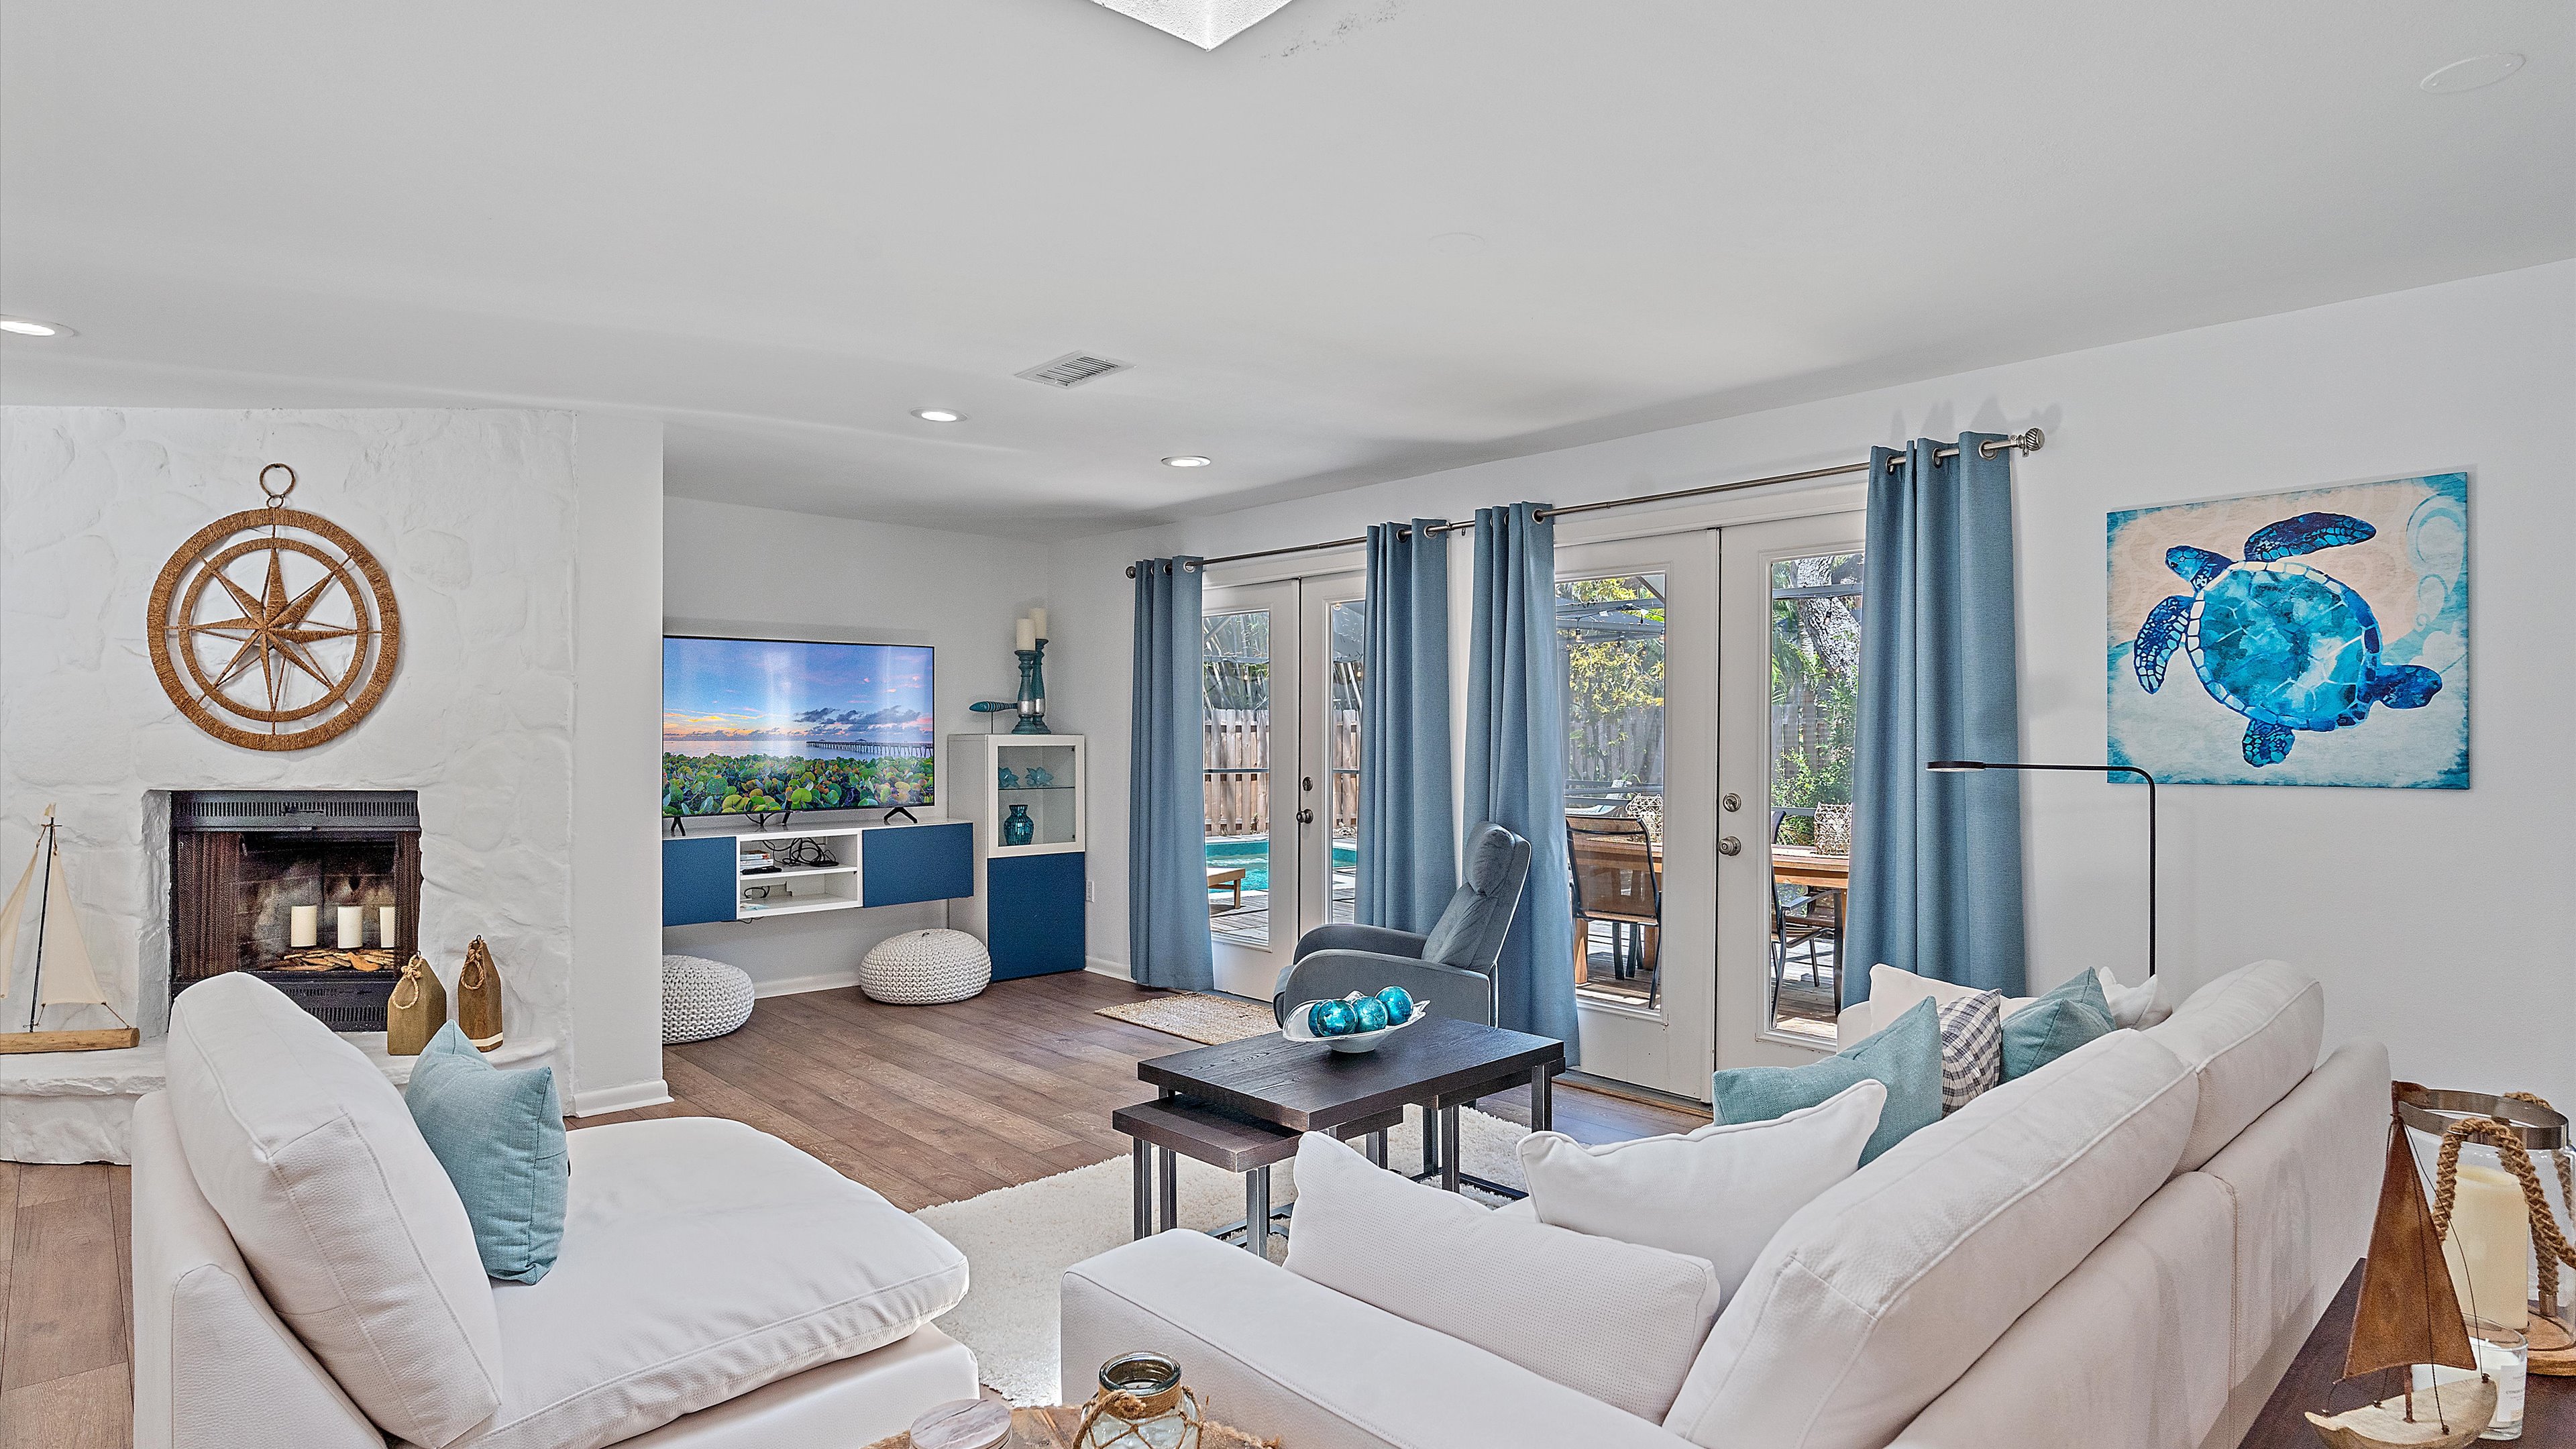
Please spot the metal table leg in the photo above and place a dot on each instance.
(1542, 1099)
(1430, 1140)
(1377, 1148)
(1170, 1187)
(1144, 1190)
(1449, 1149)
(1256, 1212)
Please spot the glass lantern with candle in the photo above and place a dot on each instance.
(1141, 1405)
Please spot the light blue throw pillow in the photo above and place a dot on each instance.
(1906, 1056)
(500, 1135)
(2055, 1024)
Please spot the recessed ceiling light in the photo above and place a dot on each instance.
(938, 415)
(1187, 460)
(30, 327)
(2468, 75)
(1458, 244)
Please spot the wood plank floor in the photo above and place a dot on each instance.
(926, 1104)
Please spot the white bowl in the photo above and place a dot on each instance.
(1356, 1042)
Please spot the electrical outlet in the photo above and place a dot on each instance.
(1090, 892)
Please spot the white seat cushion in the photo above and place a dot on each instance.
(1877, 1297)
(1613, 1320)
(2252, 1035)
(2305, 1181)
(2118, 1356)
(1718, 1193)
(356, 1236)
(702, 1259)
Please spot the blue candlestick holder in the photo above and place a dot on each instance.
(1032, 692)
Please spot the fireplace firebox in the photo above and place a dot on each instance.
(259, 880)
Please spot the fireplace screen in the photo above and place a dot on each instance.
(315, 892)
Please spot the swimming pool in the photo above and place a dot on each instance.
(1253, 853)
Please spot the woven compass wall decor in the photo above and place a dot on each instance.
(274, 629)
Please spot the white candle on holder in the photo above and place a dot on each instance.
(1028, 634)
(353, 927)
(1037, 622)
(388, 919)
(303, 926)
(2489, 1247)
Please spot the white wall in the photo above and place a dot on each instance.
(617, 767)
(2442, 922)
(757, 571)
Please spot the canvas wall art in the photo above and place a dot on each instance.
(2316, 637)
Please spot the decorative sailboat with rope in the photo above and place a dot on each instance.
(61, 974)
(2409, 1315)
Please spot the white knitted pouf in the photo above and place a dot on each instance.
(702, 998)
(919, 968)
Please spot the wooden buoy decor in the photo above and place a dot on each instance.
(478, 997)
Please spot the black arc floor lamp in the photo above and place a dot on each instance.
(1952, 767)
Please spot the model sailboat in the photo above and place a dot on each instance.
(61, 974)
(2408, 1315)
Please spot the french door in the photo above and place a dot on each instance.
(1709, 681)
(1280, 724)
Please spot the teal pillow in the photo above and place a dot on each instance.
(500, 1135)
(2055, 1024)
(1906, 1057)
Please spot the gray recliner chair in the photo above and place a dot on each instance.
(1452, 968)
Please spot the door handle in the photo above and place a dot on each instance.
(1305, 817)
(1730, 846)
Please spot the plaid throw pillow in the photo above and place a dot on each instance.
(1972, 1048)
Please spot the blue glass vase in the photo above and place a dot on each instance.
(1019, 829)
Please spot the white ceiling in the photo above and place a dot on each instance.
(781, 227)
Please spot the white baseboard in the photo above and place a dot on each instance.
(620, 1099)
(796, 985)
(1100, 966)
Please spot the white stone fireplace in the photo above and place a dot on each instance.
(475, 516)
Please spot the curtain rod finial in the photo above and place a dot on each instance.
(2030, 441)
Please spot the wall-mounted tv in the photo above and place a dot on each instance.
(763, 726)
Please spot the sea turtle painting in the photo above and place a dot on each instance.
(2281, 642)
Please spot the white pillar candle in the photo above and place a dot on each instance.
(1037, 622)
(2489, 1247)
(303, 926)
(388, 920)
(353, 927)
(1028, 634)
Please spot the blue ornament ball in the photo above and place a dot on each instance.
(1332, 1018)
(1371, 1012)
(1398, 1003)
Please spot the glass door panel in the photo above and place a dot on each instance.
(1815, 719)
(1789, 669)
(1636, 632)
(1252, 866)
(1329, 757)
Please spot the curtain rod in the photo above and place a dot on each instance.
(2030, 441)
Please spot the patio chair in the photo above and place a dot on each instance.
(1451, 967)
(1614, 878)
(1800, 917)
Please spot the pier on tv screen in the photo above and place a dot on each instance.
(762, 725)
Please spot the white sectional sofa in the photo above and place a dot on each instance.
(715, 1289)
(2121, 1250)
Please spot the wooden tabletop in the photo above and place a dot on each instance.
(1308, 1087)
(2549, 1412)
(1800, 866)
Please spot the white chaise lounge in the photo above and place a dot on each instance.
(716, 1288)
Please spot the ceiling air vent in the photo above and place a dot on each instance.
(1072, 370)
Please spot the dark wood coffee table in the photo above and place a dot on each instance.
(1297, 1087)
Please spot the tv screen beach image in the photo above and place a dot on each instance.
(754, 726)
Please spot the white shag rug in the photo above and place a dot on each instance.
(1019, 1240)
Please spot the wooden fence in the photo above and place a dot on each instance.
(1235, 750)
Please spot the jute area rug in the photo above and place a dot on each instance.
(1196, 1016)
(1019, 1240)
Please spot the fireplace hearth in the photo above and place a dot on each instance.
(242, 863)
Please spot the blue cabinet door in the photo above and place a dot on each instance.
(697, 880)
(1033, 914)
(904, 863)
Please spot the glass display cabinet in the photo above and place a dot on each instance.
(1026, 797)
